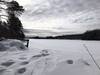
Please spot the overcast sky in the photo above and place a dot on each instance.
(61, 15)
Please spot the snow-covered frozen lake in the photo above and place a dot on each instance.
(53, 57)
(76, 50)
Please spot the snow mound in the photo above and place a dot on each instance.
(2, 47)
(18, 44)
(12, 45)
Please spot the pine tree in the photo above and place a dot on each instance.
(14, 26)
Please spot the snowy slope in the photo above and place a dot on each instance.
(16, 61)
(48, 57)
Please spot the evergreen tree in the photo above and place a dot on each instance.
(4, 31)
(13, 26)
(15, 8)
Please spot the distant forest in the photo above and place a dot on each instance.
(88, 35)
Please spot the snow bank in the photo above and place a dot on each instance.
(11, 45)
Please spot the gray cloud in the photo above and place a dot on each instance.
(77, 13)
(61, 7)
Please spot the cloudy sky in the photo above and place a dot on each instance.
(61, 15)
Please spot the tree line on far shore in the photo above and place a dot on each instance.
(88, 35)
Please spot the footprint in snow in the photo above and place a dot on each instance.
(7, 63)
(21, 70)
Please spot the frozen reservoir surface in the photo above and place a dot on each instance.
(51, 57)
(74, 51)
